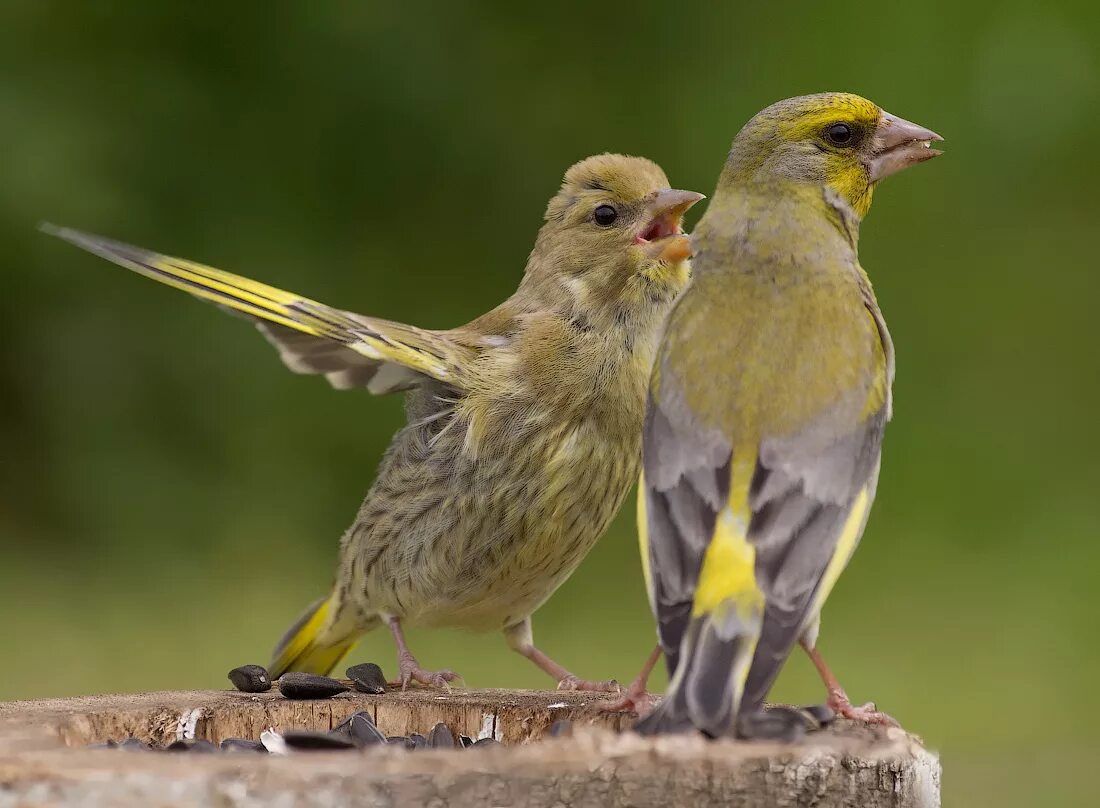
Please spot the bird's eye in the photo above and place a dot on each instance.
(839, 134)
(605, 215)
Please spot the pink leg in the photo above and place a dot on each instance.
(636, 699)
(410, 668)
(838, 700)
(520, 639)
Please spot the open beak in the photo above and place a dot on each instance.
(662, 234)
(900, 144)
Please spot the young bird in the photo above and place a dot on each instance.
(766, 411)
(524, 426)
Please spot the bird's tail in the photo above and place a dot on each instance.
(315, 643)
(222, 288)
(707, 685)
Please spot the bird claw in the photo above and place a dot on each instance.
(631, 701)
(412, 672)
(865, 714)
(571, 682)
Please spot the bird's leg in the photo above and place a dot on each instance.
(636, 698)
(838, 700)
(410, 669)
(521, 640)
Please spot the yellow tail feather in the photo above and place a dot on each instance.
(305, 646)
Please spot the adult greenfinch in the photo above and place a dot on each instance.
(524, 426)
(766, 411)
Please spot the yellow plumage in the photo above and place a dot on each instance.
(767, 407)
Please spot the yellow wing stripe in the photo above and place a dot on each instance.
(257, 300)
(845, 547)
(728, 574)
(643, 539)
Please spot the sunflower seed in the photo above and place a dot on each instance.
(441, 737)
(250, 679)
(192, 745)
(305, 741)
(367, 678)
(297, 685)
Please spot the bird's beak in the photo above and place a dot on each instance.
(899, 144)
(662, 234)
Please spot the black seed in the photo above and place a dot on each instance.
(297, 685)
(363, 730)
(401, 740)
(561, 727)
(250, 679)
(419, 741)
(243, 745)
(134, 745)
(193, 745)
(440, 737)
(484, 742)
(305, 741)
(102, 745)
(777, 723)
(821, 714)
(466, 741)
(367, 678)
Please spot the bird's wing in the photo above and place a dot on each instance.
(350, 350)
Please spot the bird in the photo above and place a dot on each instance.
(523, 431)
(769, 397)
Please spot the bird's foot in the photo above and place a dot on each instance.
(866, 714)
(571, 682)
(412, 672)
(635, 699)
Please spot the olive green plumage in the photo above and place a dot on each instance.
(523, 432)
(767, 406)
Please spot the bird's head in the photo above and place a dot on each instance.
(838, 140)
(613, 243)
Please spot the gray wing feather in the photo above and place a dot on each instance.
(800, 497)
(343, 367)
(687, 483)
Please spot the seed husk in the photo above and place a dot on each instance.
(822, 714)
(297, 685)
(367, 678)
(401, 740)
(466, 741)
(361, 729)
(250, 679)
(441, 737)
(134, 745)
(243, 745)
(485, 742)
(419, 741)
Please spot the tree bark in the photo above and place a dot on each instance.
(41, 762)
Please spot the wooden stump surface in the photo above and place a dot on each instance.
(41, 762)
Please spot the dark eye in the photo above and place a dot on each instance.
(839, 134)
(605, 215)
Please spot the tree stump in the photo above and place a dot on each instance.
(42, 761)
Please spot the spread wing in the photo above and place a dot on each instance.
(350, 350)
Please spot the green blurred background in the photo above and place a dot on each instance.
(171, 497)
